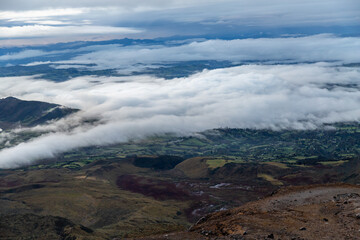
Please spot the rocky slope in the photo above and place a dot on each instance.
(310, 212)
(117, 199)
(31, 226)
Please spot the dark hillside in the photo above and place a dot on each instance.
(16, 112)
(31, 226)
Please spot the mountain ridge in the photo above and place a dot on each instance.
(15, 112)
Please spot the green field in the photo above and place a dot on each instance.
(286, 147)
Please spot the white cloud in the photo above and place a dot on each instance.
(253, 96)
(45, 30)
(39, 53)
(315, 48)
(48, 22)
(301, 49)
(39, 14)
(22, 55)
(36, 63)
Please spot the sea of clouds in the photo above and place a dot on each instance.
(297, 96)
(291, 81)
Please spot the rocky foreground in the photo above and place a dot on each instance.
(314, 212)
(308, 212)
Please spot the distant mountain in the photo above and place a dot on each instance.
(15, 112)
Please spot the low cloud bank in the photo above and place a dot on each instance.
(272, 50)
(127, 59)
(302, 96)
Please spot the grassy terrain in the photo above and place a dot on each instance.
(270, 178)
(277, 164)
(333, 162)
(283, 149)
(220, 162)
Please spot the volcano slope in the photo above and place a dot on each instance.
(116, 199)
(329, 211)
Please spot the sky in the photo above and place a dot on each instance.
(290, 65)
(43, 21)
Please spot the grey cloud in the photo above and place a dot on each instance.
(164, 18)
(135, 4)
(252, 96)
(263, 13)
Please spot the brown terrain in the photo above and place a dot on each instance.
(314, 212)
(115, 199)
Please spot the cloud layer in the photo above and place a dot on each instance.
(301, 49)
(302, 96)
(125, 59)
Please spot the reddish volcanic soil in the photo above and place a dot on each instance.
(159, 190)
(310, 212)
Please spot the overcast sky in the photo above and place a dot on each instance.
(68, 20)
